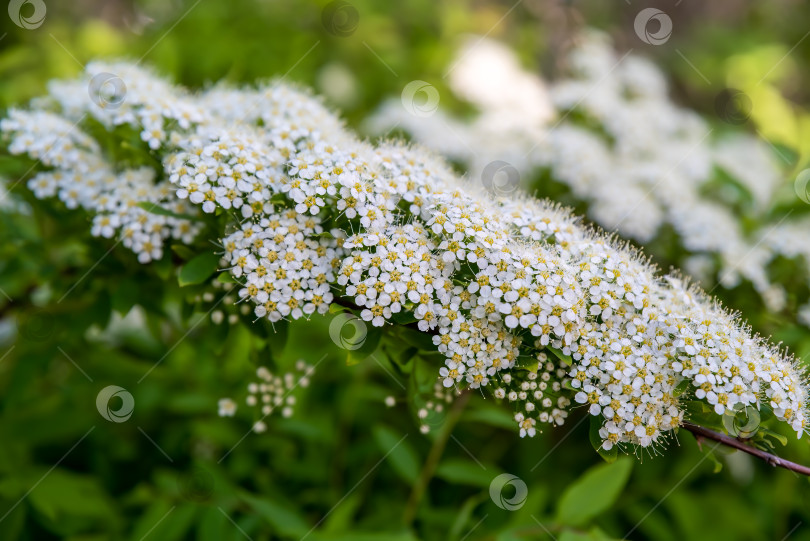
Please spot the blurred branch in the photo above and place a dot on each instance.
(432, 461)
(702, 432)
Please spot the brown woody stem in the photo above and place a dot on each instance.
(773, 460)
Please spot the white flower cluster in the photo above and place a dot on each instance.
(79, 173)
(273, 392)
(432, 413)
(621, 145)
(517, 295)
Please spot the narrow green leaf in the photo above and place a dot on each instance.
(459, 471)
(464, 515)
(286, 522)
(342, 517)
(213, 525)
(563, 358)
(400, 454)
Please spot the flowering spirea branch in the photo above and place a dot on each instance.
(609, 131)
(519, 297)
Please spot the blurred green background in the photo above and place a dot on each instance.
(344, 466)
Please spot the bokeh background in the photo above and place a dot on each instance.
(345, 465)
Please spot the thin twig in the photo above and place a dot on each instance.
(773, 460)
(432, 461)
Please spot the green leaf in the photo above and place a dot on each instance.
(493, 415)
(682, 387)
(63, 493)
(592, 535)
(278, 199)
(718, 466)
(198, 269)
(404, 317)
(342, 516)
(401, 356)
(165, 522)
(163, 267)
(459, 471)
(213, 525)
(593, 493)
(767, 433)
(400, 454)
(562, 357)
(701, 413)
(464, 515)
(227, 278)
(287, 522)
(183, 251)
(366, 336)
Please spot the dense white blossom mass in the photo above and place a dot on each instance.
(609, 130)
(519, 297)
